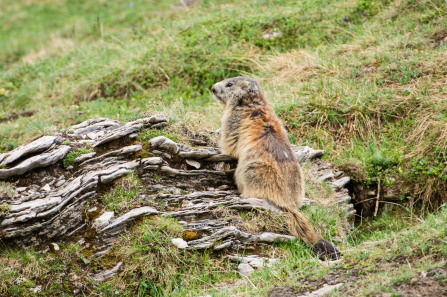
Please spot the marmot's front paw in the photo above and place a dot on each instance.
(325, 249)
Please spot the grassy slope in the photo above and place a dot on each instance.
(378, 257)
(364, 80)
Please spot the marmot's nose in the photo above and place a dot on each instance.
(213, 89)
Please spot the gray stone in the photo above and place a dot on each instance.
(256, 263)
(327, 176)
(125, 218)
(179, 243)
(41, 160)
(46, 188)
(305, 153)
(339, 183)
(103, 220)
(222, 246)
(209, 241)
(164, 143)
(99, 122)
(196, 154)
(193, 163)
(158, 118)
(255, 203)
(102, 276)
(152, 161)
(93, 209)
(220, 158)
(21, 189)
(36, 146)
(60, 183)
(325, 290)
(84, 157)
(55, 246)
(128, 128)
(245, 269)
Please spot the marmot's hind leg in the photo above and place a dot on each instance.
(256, 180)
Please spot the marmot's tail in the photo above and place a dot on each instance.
(302, 228)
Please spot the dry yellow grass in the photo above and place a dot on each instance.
(294, 66)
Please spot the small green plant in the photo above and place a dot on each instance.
(4, 209)
(148, 134)
(167, 270)
(124, 194)
(70, 158)
(6, 189)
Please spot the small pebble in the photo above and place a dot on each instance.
(245, 269)
(55, 246)
(46, 188)
(179, 243)
(413, 281)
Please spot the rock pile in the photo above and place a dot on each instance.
(186, 183)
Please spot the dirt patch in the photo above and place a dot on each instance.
(312, 284)
(287, 291)
(14, 116)
(430, 283)
(439, 36)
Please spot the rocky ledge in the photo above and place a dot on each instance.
(53, 203)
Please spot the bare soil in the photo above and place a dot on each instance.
(15, 115)
(430, 283)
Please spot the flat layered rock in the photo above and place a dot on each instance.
(38, 161)
(128, 128)
(193, 185)
(117, 224)
(305, 153)
(36, 146)
(104, 275)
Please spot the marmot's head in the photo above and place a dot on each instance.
(236, 91)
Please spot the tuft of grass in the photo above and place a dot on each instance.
(264, 221)
(124, 194)
(70, 158)
(158, 268)
(147, 135)
(22, 269)
(4, 209)
(6, 189)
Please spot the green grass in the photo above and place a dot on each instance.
(70, 158)
(6, 189)
(153, 266)
(147, 134)
(124, 195)
(367, 75)
(364, 80)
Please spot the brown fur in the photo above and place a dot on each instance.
(267, 167)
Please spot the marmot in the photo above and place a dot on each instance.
(267, 167)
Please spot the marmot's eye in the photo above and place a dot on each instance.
(229, 85)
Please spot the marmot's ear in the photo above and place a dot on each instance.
(255, 87)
